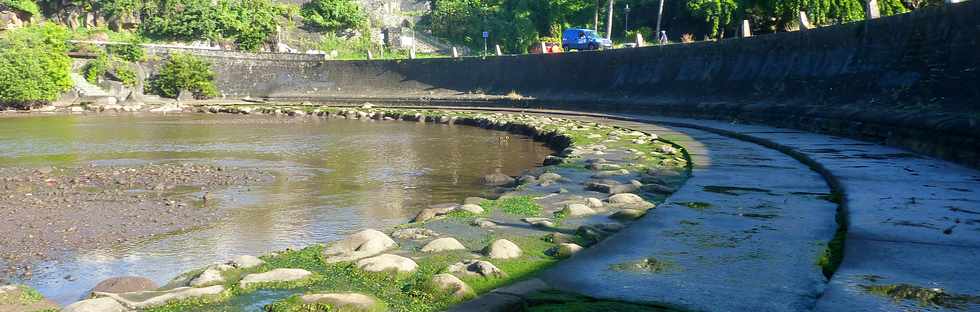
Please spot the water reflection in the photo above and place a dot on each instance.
(331, 177)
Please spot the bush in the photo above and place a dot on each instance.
(95, 69)
(184, 72)
(333, 15)
(34, 65)
(131, 52)
(250, 23)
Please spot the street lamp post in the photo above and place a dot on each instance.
(626, 32)
(660, 13)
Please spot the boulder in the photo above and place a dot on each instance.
(277, 275)
(539, 222)
(96, 305)
(502, 249)
(345, 301)
(443, 244)
(566, 250)
(125, 284)
(625, 198)
(553, 160)
(434, 211)
(153, 298)
(452, 284)
(549, 177)
(577, 210)
(497, 179)
(471, 208)
(246, 262)
(475, 268)
(628, 214)
(414, 233)
(593, 202)
(483, 223)
(612, 186)
(474, 201)
(387, 262)
(360, 245)
(210, 276)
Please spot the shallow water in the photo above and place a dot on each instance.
(332, 177)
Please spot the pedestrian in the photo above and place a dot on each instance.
(663, 37)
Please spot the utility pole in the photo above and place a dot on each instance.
(660, 13)
(609, 20)
(626, 29)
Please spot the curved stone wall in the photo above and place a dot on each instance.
(908, 80)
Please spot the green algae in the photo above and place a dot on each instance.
(924, 296)
(696, 205)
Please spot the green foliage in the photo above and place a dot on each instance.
(28, 6)
(125, 74)
(184, 72)
(511, 23)
(347, 48)
(333, 15)
(131, 52)
(249, 23)
(95, 69)
(716, 13)
(34, 65)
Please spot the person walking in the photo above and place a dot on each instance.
(663, 37)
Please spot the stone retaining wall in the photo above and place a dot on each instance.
(909, 80)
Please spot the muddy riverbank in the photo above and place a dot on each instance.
(50, 211)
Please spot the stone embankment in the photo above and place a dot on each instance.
(604, 178)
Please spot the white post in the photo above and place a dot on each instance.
(871, 9)
(455, 53)
(804, 21)
(660, 13)
(370, 56)
(497, 46)
(411, 54)
(745, 31)
(544, 48)
(609, 20)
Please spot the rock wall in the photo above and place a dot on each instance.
(908, 80)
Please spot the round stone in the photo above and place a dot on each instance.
(452, 284)
(568, 249)
(625, 198)
(443, 244)
(125, 284)
(503, 249)
(387, 262)
(472, 208)
(577, 210)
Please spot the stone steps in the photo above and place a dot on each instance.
(85, 89)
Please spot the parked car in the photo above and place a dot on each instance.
(583, 39)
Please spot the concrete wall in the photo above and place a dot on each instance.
(909, 80)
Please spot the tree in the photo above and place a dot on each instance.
(34, 65)
(716, 13)
(184, 72)
(333, 15)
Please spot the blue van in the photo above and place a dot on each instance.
(583, 39)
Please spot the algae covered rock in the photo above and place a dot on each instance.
(345, 302)
(443, 244)
(387, 262)
(103, 304)
(360, 245)
(503, 249)
(277, 275)
(452, 284)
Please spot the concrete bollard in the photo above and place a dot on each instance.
(455, 53)
(871, 9)
(804, 21)
(639, 40)
(544, 48)
(497, 47)
(411, 54)
(370, 56)
(745, 31)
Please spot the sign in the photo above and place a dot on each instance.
(486, 34)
